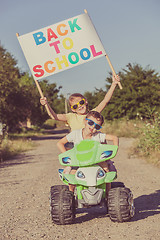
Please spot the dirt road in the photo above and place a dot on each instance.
(24, 198)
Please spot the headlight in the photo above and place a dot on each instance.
(100, 173)
(66, 160)
(106, 154)
(80, 174)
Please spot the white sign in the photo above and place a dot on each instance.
(61, 46)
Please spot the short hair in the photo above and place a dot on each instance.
(96, 115)
(74, 95)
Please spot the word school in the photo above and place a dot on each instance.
(50, 66)
(73, 58)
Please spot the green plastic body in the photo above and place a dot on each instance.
(87, 153)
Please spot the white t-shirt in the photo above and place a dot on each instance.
(76, 136)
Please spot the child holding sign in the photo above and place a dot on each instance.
(79, 107)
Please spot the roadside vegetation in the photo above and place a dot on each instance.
(148, 144)
(131, 112)
(145, 132)
(11, 148)
(16, 143)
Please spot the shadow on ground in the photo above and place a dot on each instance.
(147, 205)
(18, 160)
(51, 135)
(87, 214)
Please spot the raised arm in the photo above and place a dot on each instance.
(51, 113)
(107, 98)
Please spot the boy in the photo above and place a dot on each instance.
(92, 124)
(79, 107)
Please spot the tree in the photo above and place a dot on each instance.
(10, 111)
(140, 94)
(32, 107)
(20, 99)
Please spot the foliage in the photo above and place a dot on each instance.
(32, 107)
(52, 93)
(140, 94)
(19, 96)
(10, 106)
(149, 140)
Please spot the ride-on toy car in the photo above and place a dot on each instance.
(90, 180)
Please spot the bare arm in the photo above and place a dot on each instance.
(61, 144)
(108, 95)
(112, 138)
(51, 113)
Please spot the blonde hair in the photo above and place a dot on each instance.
(73, 96)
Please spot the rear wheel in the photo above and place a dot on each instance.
(62, 204)
(120, 204)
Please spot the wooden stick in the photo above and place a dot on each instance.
(109, 62)
(113, 71)
(39, 89)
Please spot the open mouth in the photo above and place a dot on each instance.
(81, 108)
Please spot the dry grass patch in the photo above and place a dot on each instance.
(11, 148)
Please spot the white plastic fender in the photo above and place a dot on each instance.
(89, 174)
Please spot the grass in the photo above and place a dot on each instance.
(146, 134)
(123, 128)
(11, 148)
(16, 143)
(148, 145)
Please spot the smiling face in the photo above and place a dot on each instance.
(81, 108)
(91, 129)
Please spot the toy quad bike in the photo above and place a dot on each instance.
(90, 180)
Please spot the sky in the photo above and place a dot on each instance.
(129, 31)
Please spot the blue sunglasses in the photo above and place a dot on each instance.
(91, 123)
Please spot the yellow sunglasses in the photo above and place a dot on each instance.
(81, 102)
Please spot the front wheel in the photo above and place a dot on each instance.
(120, 204)
(62, 203)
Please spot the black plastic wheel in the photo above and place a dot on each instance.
(62, 203)
(120, 204)
(117, 184)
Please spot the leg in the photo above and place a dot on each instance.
(105, 167)
(108, 187)
(71, 186)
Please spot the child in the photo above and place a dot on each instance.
(79, 107)
(92, 124)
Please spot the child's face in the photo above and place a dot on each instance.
(79, 105)
(92, 129)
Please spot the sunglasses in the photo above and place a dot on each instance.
(81, 102)
(91, 123)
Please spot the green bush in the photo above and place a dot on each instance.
(149, 141)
